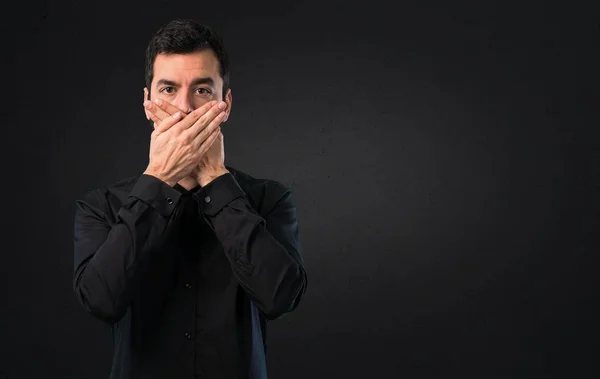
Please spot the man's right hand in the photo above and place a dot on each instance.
(177, 144)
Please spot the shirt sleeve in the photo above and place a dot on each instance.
(265, 253)
(111, 251)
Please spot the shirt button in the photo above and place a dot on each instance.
(169, 200)
(188, 285)
(188, 336)
(207, 199)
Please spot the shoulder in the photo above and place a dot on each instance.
(263, 193)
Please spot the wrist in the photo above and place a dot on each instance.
(160, 177)
(208, 175)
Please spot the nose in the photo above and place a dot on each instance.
(183, 102)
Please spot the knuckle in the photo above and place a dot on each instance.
(186, 137)
(205, 118)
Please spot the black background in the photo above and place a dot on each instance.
(443, 156)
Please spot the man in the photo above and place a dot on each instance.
(188, 260)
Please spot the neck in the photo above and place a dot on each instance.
(188, 183)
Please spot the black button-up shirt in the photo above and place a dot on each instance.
(188, 279)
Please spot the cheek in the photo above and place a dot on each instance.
(158, 95)
(198, 102)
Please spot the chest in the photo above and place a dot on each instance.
(189, 263)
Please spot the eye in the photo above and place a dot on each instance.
(167, 90)
(203, 91)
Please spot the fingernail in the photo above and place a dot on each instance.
(158, 101)
(222, 105)
(147, 104)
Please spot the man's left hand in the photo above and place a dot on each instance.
(212, 164)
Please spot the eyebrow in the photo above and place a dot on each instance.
(195, 82)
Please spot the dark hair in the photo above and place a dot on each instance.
(182, 36)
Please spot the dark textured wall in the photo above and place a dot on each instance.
(443, 160)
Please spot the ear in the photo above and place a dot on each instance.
(229, 101)
(146, 97)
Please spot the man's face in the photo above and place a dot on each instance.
(188, 80)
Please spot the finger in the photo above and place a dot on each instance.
(167, 123)
(153, 117)
(215, 114)
(214, 138)
(160, 109)
(195, 115)
(208, 142)
(168, 107)
(145, 98)
(207, 131)
(157, 111)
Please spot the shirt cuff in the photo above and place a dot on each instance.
(156, 193)
(217, 194)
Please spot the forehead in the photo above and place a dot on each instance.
(181, 66)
